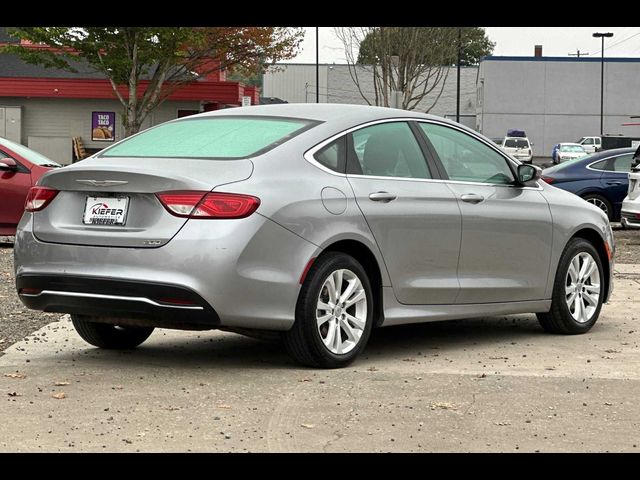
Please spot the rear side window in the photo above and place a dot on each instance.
(601, 165)
(210, 138)
(621, 163)
(333, 155)
(387, 150)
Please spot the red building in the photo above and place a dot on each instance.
(45, 108)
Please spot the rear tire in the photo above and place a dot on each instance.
(105, 335)
(332, 325)
(576, 299)
(601, 202)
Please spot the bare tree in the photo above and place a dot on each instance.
(414, 61)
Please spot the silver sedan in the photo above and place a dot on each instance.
(318, 222)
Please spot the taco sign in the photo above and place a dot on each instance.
(103, 126)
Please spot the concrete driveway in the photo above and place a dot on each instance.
(496, 384)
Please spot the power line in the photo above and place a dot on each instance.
(609, 47)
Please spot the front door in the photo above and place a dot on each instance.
(14, 186)
(506, 229)
(415, 221)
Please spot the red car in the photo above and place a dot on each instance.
(20, 169)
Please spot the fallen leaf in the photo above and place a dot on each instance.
(14, 394)
(372, 369)
(117, 387)
(306, 379)
(61, 384)
(608, 404)
(307, 425)
(59, 395)
(443, 406)
(502, 424)
(408, 359)
(483, 375)
(549, 368)
(611, 350)
(498, 358)
(15, 375)
(224, 406)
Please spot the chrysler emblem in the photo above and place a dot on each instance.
(102, 183)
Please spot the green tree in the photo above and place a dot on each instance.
(169, 57)
(403, 66)
(475, 44)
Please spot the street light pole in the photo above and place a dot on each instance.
(317, 67)
(602, 36)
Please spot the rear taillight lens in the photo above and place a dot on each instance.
(547, 179)
(195, 204)
(38, 198)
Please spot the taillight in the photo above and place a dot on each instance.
(547, 179)
(196, 204)
(38, 198)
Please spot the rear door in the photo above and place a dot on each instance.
(506, 229)
(415, 220)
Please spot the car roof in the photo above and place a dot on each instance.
(322, 112)
(571, 144)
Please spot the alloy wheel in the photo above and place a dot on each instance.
(599, 203)
(582, 287)
(341, 312)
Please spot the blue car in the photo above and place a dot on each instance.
(601, 178)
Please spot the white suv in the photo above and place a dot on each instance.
(518, 147)
(590, 144)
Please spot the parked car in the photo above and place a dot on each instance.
(590, 144)
(600, 178)
(567, 151)
(630, 212)
(20, 169)
(519, 148)
(267, 218)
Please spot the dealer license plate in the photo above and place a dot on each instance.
(105, 210)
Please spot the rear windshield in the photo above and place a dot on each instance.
(516, 143)
(210, 138)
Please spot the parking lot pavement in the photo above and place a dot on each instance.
(497, 384)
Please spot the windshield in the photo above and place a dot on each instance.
(516, 143)
(210, 138)
(32, 156)
(572, 148)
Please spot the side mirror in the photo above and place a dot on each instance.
(528, 173)
(8, 164)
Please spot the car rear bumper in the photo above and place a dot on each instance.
(239, 273)
(630, 213)
(169, 306)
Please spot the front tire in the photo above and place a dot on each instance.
(578, 290)
(106, 335)
(334, 313)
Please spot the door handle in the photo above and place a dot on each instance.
(614, 182)
(471, 198)
(384, 197)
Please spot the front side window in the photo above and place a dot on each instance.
(387, 150)
(210, 138)
(588, 141)
(466, 159)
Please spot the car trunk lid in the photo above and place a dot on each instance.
(95, 186)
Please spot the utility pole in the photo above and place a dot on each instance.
(317, 67)
(602, 36)
(578, 54)
(458, 84)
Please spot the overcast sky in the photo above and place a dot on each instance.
(556, 41)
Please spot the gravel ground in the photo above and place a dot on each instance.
(16, 321)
